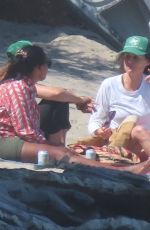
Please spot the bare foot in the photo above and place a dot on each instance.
(141, 168)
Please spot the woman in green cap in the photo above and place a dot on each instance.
(20, 135)
(54, 108)
(124, 100)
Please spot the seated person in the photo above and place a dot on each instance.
(54, 108)
(122, 99)
(142, 135)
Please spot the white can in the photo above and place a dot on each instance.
(148, 176)
(90, 154)
(43, 158)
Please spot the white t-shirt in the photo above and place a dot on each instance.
(112, 96)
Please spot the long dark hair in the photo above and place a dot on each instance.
(24, 62)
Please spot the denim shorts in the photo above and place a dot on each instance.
(10, 148)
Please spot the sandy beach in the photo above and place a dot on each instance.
(80, 61)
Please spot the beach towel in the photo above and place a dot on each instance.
(114, 151)
(117, 156)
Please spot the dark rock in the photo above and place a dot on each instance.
(52, 12)
(81, 198)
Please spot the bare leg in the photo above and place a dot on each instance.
(30, 150)
(141, 168)
(54, 121)
(58, 139)
(143, 137)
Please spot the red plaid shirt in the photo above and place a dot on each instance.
(19, 114)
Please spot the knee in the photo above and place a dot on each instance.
(139, 132)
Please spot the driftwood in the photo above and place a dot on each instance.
(80, 198)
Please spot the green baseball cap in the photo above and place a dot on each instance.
(137, 45)
(14, 47)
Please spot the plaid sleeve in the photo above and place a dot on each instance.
(22, 113)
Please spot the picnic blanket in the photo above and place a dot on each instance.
(117, 156)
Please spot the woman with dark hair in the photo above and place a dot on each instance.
(54, 107)
(20, 135)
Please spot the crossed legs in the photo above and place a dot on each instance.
(54, 121)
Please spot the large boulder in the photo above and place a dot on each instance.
(80, 198)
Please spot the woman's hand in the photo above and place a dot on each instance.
(104, 132)
(59, 152)
(86, 105)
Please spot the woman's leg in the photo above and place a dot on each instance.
(17, 149)
(29, 152)
(54, 120)
(14, 148)
(142, 136)
(58, 138)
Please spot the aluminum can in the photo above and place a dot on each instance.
(148, 176)
(43, 158)
(90, 154)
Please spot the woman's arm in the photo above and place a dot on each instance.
(98, 118)
(83, 103)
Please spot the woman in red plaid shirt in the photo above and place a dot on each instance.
(21, 136)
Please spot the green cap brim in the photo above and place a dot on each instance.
(133, 51)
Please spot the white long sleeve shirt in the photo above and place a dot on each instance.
(112, 96)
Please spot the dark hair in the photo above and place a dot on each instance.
(25, 61)
(147, 68)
